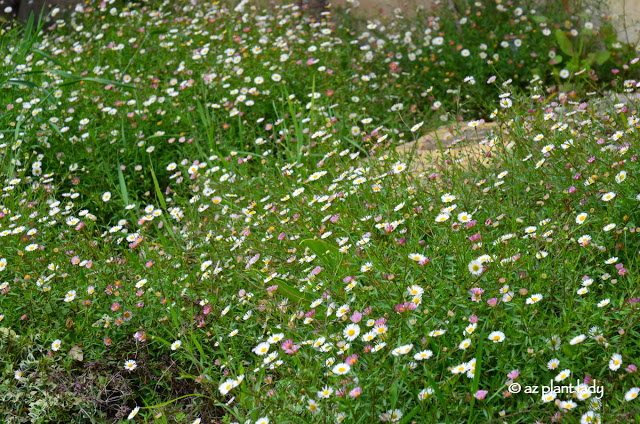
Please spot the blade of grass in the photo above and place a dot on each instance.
(437, 391)
(74, 79)
(407, 418)
(476, 377)
(203, 356)
(123, 187)
(157, 188)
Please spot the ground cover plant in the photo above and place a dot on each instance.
(204, 217)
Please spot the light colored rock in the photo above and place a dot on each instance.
(625, 13)
(378, 8)
(626, 16)
(459, 144)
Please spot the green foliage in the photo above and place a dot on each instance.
(204, 215)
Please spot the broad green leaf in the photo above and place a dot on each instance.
(294, 295)
(539, 19)
(565, 44)
(291, 292)
(329, 255)
(601, 57)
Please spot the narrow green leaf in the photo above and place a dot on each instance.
(476, 377)
(163, 341)
(394, 394)
(437, 391)
(22, 82)
(158, 191)
(123, 187)
(74, 79)
(48, 56)
(407, 418)
(194, 339)
(356, 145)
(182, 397)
